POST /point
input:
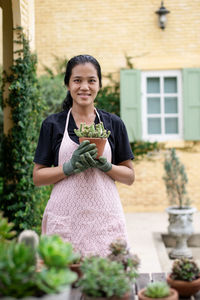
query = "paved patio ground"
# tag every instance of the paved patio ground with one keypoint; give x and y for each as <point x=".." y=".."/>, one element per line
<point x="141" y="229"/>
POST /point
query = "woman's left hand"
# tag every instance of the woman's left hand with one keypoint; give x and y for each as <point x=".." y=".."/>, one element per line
<point x="101" y="163"/>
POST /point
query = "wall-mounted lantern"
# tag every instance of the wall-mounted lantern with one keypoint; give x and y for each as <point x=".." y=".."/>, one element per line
<point x="162" y="12"/>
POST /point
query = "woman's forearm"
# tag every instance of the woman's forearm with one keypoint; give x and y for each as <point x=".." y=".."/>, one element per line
<point x="45" y="176"/>
<point x="122" y="173"/>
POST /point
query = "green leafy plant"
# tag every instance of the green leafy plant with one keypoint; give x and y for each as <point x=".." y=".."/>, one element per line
<point x="175" y="180"/>
<point x="92" y="131"/>
<point x="140" y="148"/>
<point x="105" y="278"/>
<point x="6" y="229"/>
<point x="19" y="276"/>
<point x="19" y="198"/>
<point x="185" y="269"/>
<point x="120" y="253"/>
<point x="157" y="289"/>
<point x="56" y="253"/>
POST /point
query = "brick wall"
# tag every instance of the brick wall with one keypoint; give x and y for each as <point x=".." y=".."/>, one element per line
<point x="108" y="29"/>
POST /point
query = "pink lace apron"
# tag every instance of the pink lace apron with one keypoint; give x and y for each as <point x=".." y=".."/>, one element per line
<point x="85" y="208"/>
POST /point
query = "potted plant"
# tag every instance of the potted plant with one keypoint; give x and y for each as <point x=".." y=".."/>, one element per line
<point x="95" y="133"/>
<point x="119" y="252"/>
<point x="185" y="277"/>
<point x="158" y="290"/>
<point x="19" y="277"/>
<point x="75" y="266"/>
<point x="105" y="279"/>
<point x="180" y="213"/>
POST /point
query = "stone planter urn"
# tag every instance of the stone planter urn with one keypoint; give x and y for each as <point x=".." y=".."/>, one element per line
<point x="181" y="228"/>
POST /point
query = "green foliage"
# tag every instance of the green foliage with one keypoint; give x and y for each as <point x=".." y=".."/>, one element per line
<point x="105" y="278"/>
<point x="108" y="97"/>
<point x="56" y="253"/>
<point x="6" y="232"/>
<point x="185" y="269"/>
<point x="157" y="289"/>
<point x="93" y="131"/>
<point x="19" y="196"/>
<point x="175" y="180"/>
<point x="53" y="92"/>
<point x="19" y="276"/>
<point x="17" y="266"/>
<point x="143" y="147"/>
<point x="120" y="253"/>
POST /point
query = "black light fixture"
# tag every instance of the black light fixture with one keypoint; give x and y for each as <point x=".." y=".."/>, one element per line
<point x="162" y="12"/>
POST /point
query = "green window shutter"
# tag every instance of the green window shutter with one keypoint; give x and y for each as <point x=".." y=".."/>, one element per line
<point x="191" y="103"/>
<point x="130" y="102"/>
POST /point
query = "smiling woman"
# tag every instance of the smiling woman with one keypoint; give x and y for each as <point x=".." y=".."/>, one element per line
<point x="84" y="207"/>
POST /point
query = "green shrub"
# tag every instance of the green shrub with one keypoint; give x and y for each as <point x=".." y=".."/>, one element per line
<point x="19" y="199"/>
<point x="175" y="180"/>
<point x="53" y="93"/>
<point x="140" y="148"/>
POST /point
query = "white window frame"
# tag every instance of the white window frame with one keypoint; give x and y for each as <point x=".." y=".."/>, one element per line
<point x="163" y="136"/>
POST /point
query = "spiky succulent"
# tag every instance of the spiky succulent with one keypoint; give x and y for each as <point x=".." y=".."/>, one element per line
<point x="93" y="131"/>
<point x="157" y="289"/>
<point x="120" y="253"/>
<point x="185" y="269"/>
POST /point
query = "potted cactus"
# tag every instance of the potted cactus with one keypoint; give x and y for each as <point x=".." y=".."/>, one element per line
<point x="158" y="290"/>
<point x="119" y="252"/>
<point x="105" y="279"/>
<point x="95" y="133"/>
<point x="185" y="277"/>
<point x="180" y="212"/>
<point x="19" y="275"/>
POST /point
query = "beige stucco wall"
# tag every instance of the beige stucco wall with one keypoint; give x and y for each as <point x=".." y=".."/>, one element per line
<point x="108" y="29"/>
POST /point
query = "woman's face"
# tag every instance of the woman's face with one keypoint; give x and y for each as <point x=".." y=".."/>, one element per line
<point x="84" y="84"/>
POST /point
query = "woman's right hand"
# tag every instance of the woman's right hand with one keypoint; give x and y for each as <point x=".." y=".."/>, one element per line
<point x="77" y="163"/>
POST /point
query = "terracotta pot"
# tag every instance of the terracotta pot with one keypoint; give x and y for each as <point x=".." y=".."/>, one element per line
<point x="76" y="268"/>
<point x="125" y="297"/>
<point x="184" y="288"/>
<point x="100" y="144"/>
<point x="173" y="295"/>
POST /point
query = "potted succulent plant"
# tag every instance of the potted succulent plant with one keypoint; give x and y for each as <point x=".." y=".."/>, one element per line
<point x="185" y="277"/>
<point x="95" y="133"/>
<point x="119" y="252"/>
<point x="180" y="212"/>
<point x="19" y="277"/>
<point x="105" y="279"/>
<point x="158" y="290"/>
<point x="75" y="266"/>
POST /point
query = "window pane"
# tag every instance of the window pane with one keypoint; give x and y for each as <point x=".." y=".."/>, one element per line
<point x="171" y="106"/>
<point x="170" y="85"/>
<point x="153" y="85"/>
<point x="171" y="125"/>
<point x="153" y="105"/>
<point x="154" y="126"/>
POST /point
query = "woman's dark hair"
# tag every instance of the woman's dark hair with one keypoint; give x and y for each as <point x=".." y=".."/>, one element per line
<point x="74" y="61"/>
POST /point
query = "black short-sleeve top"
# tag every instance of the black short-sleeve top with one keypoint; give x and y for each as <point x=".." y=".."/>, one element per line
<point x="53" y="128"/>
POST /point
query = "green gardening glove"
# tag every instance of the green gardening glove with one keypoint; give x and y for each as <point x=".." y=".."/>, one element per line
<point x="70" y="167"/>
<point x="101" y="163"/>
